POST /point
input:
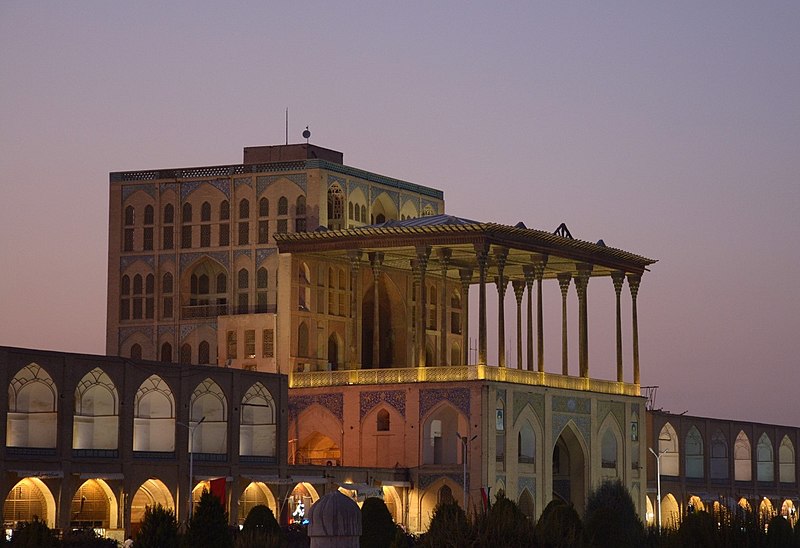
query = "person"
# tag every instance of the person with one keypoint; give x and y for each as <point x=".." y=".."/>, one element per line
<point x="128" y="542"/>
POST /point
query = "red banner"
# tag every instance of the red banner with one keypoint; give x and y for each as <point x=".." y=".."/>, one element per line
<point x="218" y="489"/>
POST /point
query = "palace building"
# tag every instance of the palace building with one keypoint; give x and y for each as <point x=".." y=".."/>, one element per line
<point x="318" y="316"/>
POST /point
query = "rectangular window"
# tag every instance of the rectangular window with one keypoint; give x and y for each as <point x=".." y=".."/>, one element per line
<point x="269" y="343"/>
<point x="137" y="308"/>
<point x="205" y="235"/>
<point x="244" y="233"/>
<point x="231" y="345"/>
<point x="263" y="232"/>
<point x="148" y="308"/>
<point x="282" y="226"/>
<point x="250" y="343"/>
<point x="455" y="323"/>
<point x="125" y="309"/>
<point x="127" y="244"/>
<point x="224" y="234"/>
<point x="186" y="236"/>
<point x="261" y="301"/>
<point x="148" y="238"/>
<point x="168" y="242"/>
<point x="167" y="311"/>
<point x="243" y="303"/>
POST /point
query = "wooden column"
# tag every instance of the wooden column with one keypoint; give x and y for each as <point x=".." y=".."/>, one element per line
<point x="633" y="284"/>
<point x="465" y="274"/>
<point x="482" y="258"/>
<point x="423" y="252"/>
<point x="618" y="278"/>
<point x="519" y="290"/>
<point x="539" y="262"/>
<point x="581" y="286"/>
<point x="376" y="261"/>
<point x="529" y="278"/>
<point x="444" y="255"/>
<point x="354" y="255"/>
<point x="501" y="282"/>
<point x="563" y="282"/>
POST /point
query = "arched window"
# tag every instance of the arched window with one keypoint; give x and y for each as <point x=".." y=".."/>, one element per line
<point x="263" y="207"/>
<point x="694" y="454"/>
<point x="186" y="353"/>
<point x="432" y="306"/>
<point x="786" y="461"/>
<point x="302" y="340"/>
<point x="148" y="214"/>
<point x="350" y="210"/>
<point x="222" y="282"/>
<point x="441" y="444"/>
<point x="363" y="214"/>
<point x="186" y="228"/>
<point x="166" y="283"/>
<point x="742" y="464"/>
<point x="136" y="352"/>
<point x="382" y="423"/>
<point x="445" y="495"/>
<point x="203" y="353"/>
<point x="668" y="445"/>
<point x="154" y="416"/>
<point x="149" y="291"/>
<point x="262" y="279"/>
<point x="283" y="206"/>
<point x="335" y="207"/>
<point x="125" y="301"/>
<point x="257" y="423"/>
<point x="205" y="212"/>
<point x="608" y="450"/>
<point x="380" y="219"/>
<point x="208" y="402"/>
<point x="187" y="213"/>
<point x="719" y="456"/>
<point x="169" y="214"/>
<point x="244" y="209"/>
<point x="32" y="413"/>
<point x="300" y="214"/>
<point x="526" y="444"/>
<point x="166" y="352"/>
<point x="96" y="419"/>
<point x="130" y="215"/>
<point x="243" y="278"/>
<point x="224" y="211"/>
<point x="301" y="206"/>
<point x="765" y="466"/>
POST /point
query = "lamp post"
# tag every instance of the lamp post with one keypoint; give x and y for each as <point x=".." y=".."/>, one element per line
<point x="658" y="481"/>
<point x="464" y="443"/>
<point x="191" y="428"/>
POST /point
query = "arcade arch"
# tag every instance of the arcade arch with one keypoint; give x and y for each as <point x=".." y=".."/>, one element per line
<point x="765" y="463"/>
<point x="32" y="412"/>
<point x="257" y="428"/>
<point x="440" y="435"/>
<point x="96" y="418"/>
<point x="442" y="490"/>
<point x="319" y="449"/>
<point x="154" y="416"/>
<point x="742" y="465"/>
<point x="299" y="502"/>
<point x="786" y="461"/>
<point x="668" y="447"/>
<point x="256" y="493"/>
<point x="28" y="499"/>
<point x="670" y="512"/>
<point x="570" y="467"/>
<point x="150" y="493"/>
<point x="94" y="506"/>
<point x="694" y="454"/>
<point x="209" y="402"/>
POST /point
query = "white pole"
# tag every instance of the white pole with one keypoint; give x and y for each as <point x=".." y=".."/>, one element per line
<point x="191" y="428"/>
<point x="658" y="481"/>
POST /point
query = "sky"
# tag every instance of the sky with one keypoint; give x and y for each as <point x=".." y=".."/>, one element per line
<point x="667" y="129"/>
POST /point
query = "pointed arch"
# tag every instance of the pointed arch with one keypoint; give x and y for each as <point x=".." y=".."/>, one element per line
<point x="719" y="455"/>
<point x="255" y="494"/>
<point x="694" y="453"/>
<point x="786" y="461"/>
<point x="765" y="459"/>
<point x="670" y="512"/>
<point x="742" y="458"/>
<point x="28" y="499"/>
<point x="440" y="435"/>
<point x="96" y="419"/>
<point x="570" y="466"/>
<point x="668" y="445"/>
<point x="94" y="505"/>
<point x="208" y="401"/>
<point x="154" y="416"/>
<point x="611" y="445"/>
<point x="32" y="409"/>
<point x="257" y="428"/>
<point x="149" y="494"/>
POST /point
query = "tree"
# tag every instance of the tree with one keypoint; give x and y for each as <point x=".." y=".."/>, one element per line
<point x="449" y="527"/>
<point x="260" y="528"/>
<point x="33" y="534"/>
<point x="377" y="526"/>
<point x="559" y="526"/>
<point x="159" y="529"/>
<point x="779" y="533"/>
<point x="86" y="538"/>
<point x="611" y="518"/>
<point x="503" y="525"/>
<point x="209" y="524"/>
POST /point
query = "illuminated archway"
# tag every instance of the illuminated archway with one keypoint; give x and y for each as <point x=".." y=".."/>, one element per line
<point x="649" y="517"/>
<point x="765" y="510"/>
<point x="696" y="505"/>
<point x="150" y="493"/>
<point x="320" y="450"/>
<point x="569" y="468"/>
<point x="789" y="511"/>
<point x="256" y="493"/>
<point x="300" y="501"/>
<point x="670" y="512"/>
<point x="28" y="499"/>
<point x="441" y="490"/>
<point x="93" y="506"/>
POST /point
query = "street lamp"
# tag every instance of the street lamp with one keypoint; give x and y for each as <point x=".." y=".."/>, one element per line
<point x="464" y="443"/>
<point x="658" y="481"/>
<point x="191" y="428"/>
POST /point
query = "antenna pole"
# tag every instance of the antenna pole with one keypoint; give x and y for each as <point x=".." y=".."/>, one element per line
<point x="287" y="125"/>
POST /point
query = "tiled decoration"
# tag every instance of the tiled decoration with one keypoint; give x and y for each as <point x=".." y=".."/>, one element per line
<point x="332" y="402"/>
<point x="395" y="398"/>
<point x="429" y="397"/>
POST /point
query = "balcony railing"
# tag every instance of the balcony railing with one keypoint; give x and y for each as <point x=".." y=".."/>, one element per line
<point x="458" y="373"/>
<point x="214" y="310"/>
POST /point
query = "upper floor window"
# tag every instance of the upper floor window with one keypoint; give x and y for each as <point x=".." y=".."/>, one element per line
<point x="263" y="207"/>
<point x="187" y="213"/>
<point x="205" y="212"/>
<point x="224" y="211"/>
<point x="148" y="215"/>
<point x="169" y="214"/>
<point x="283" y="206"/>
<point x="244" y="209"/>
<point x="130" y="215"/>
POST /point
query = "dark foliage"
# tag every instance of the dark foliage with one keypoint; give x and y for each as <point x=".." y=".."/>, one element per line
<point x="34" y="534"/>
<point x="449" y="528"/>
<point x="611" y="518"/>
<point x="503" y="524"/>
<point x="159" y="529"/>
<point x="297" y="536"/>
<point x="260" y="529"/>
<point x="86" y="538"/>
<point x="779" y="533"/>
<point x="208" y="527"/>
<point x="559" y="526"/>
<point x="377" y="526"/>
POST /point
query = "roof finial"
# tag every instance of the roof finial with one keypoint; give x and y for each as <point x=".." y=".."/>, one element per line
<point x="306" y="134"/>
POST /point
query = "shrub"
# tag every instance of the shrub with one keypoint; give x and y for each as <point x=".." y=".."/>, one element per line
<point x="33" y="534"/>
<point x="503" y="524"/>
<point x="779" y="533"/>
<point x="159" y="529"/>
<point x="448" y="528"/>
<point x="611" y="518"/>
<point x="698" y="529"/>
<point x="86" y="538"/>
<point x="209" y="525"/>
<point x="559" y="526"/>
<point x="377" y="526"/>
<point x="260" y="528"/>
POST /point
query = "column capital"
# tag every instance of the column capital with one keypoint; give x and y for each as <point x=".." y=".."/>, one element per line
<point x="502" y="284"/>
<point x="633" y="284"/>
<point x="539" y="261"/>
<point x="618" y="278"/>
<point x="563" y="282"/>
<point x="527" y="271"/>
<point x="376" y="261"/>
<point x="519" y="289"/>
<point x="465" y="274"/>
<point x="582" y="278"/>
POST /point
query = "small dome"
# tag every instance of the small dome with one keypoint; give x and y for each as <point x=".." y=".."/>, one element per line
<point x="334" y="515"/>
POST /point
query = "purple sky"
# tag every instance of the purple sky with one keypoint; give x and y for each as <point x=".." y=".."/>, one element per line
<point x="671" y="130"/>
